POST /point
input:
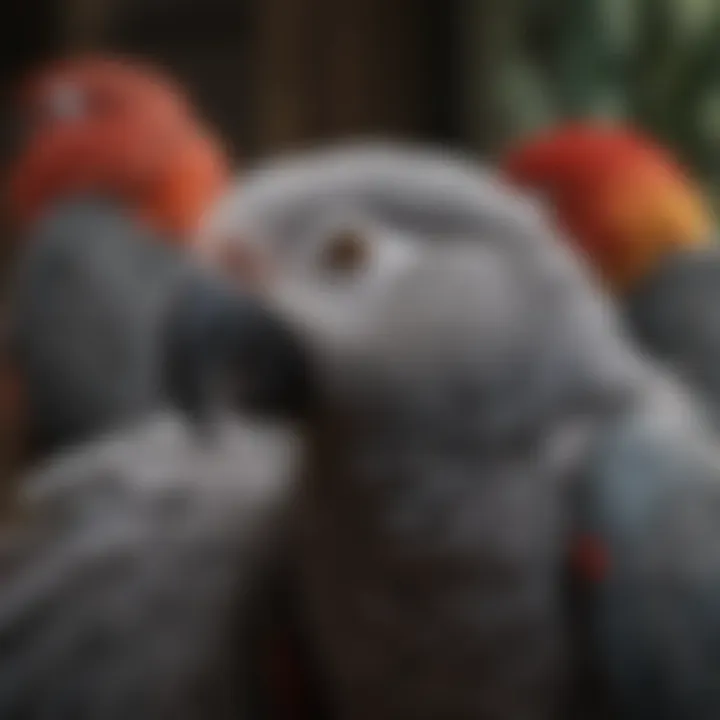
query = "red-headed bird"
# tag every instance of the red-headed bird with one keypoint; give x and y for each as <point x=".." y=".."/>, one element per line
<point x="626" y="200"/>
<point x="107" y="321"/>
<point x="95" y="124"/>
<point x="647" y="228"/>
<point x="116" y="130"/>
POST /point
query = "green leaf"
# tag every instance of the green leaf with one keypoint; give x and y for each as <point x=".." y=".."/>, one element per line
<point x="583" y="61"/>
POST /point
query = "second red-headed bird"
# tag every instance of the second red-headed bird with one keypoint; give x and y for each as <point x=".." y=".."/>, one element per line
<point x="117" y="127"/>
<point x="646" y="227"/>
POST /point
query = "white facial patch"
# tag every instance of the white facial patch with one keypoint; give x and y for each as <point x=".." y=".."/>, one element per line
<point x="342" y="305"/>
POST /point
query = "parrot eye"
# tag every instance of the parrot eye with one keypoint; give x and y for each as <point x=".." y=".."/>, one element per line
<point x="346" y="251"/>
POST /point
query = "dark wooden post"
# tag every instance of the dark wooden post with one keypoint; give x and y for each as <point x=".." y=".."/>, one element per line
<point x="85" y="23"/>
<point x="336" y="68"/>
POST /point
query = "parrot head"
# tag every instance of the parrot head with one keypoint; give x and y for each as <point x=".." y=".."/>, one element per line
<point x="105" y="125"/>
<point x="625" y="201"/>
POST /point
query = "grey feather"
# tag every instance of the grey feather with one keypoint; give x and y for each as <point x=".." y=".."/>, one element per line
<point x="461" y="386"/>
<point x="471" y="391"/>
<point x="90" y="293"/>
<point x="126" y="588"/>
<point x="675" y="314"/>
<point x="90" y="305"/>
<point x="653" y="498"/>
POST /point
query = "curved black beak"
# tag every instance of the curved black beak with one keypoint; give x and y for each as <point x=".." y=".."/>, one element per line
<point x="224" y="347"/>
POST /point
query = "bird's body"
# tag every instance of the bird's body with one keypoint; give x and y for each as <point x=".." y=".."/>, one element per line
<point x="92" y="289"/>
<point x="128" y="579"/>
<point x="469" y="410"/>
<point x="142" y="533"/>
<point x="473" y="391"/>
<point x="125" y="133"/>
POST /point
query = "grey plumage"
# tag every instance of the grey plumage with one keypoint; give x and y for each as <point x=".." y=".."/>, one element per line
<point x="282" y="202"/>
<point x="111" y="322"/>
<point x="433" y="530"/>
<point x="675" y="314"/>
<point x="126" y="587"/>
<point x="652" y="496"/>
<point x="474" y="405"/>
<point x="470" y="390"/>
<point x="91" y="290"/>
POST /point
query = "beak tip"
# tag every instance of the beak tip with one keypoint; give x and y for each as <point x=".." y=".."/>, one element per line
<point x="225" y="348"/>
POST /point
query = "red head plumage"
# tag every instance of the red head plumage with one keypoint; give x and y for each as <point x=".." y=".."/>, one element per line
<point x="622" y="198"/>
<point x="106" y="125"/>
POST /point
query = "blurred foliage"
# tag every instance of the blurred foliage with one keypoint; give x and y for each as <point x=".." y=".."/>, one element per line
<point x="653" y="63"/>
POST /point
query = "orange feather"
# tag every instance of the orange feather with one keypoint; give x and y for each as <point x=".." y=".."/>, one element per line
<point x="624" y="200"/>
<point x="117" y="128"/>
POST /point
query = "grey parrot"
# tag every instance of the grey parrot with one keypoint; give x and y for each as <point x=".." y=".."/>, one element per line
<point x="480" y="420"/>
<point x="139" y="557"/>
<point x="129" y="577"/>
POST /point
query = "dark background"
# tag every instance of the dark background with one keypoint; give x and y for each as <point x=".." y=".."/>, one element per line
<point x="272" y="73"/>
